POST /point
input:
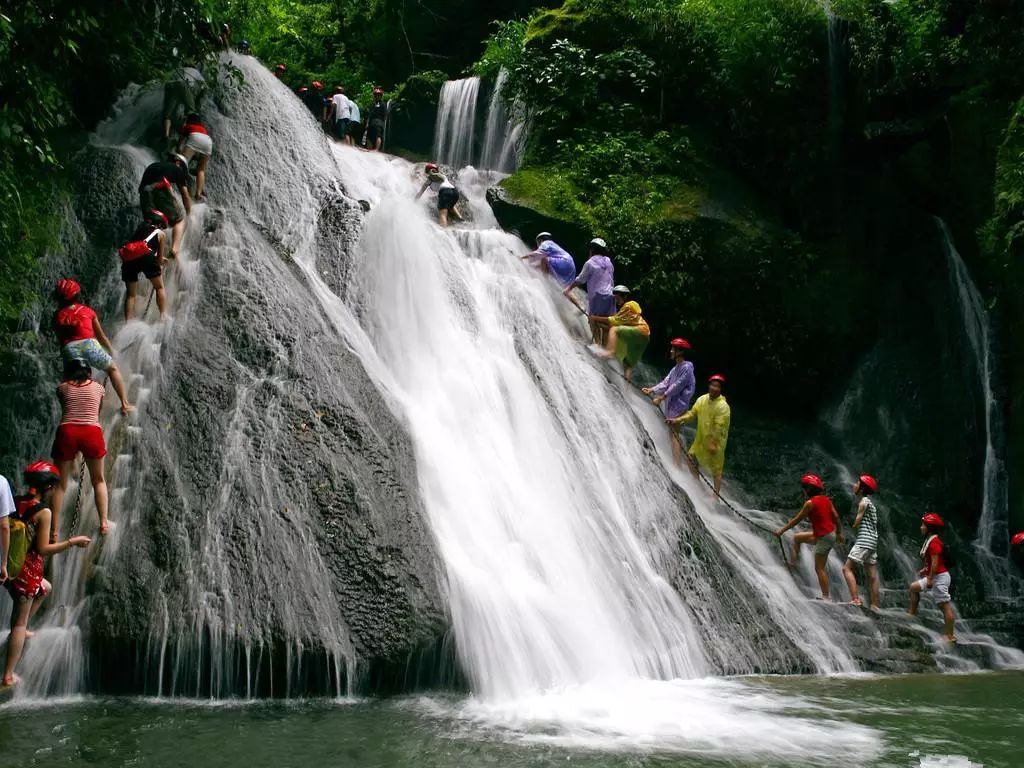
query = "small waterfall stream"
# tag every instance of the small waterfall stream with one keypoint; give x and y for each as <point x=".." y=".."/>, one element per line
<point x="455" y="130"/>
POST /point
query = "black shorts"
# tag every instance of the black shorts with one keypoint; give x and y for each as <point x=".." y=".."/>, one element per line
<point x="373" y="133"/>
<point x="147" y="265"/>
<point x="341" y="128"/>
<point x="447" y="198"/>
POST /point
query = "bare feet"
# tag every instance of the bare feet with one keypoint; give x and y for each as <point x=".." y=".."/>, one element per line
<point x="10" y="680"/>
<point x="857" y="603"/>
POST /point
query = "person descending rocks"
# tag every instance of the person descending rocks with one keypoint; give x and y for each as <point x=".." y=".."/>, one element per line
<point x="339" y="114"/>
<point x="82" y="338"/>
<point x="376" y="121"/>
<point x="196" y="141"/>
<point x="628" y="334"/>
<point x="674" y="393"/>
<point x="80" y="432"/>
<point x="865" y="549"/>
<point x="598" y="276"/>
<point x="826" y="529"/>
<point x="27" y="587"/>
<point x="157" y="193"/>
<point x="935" y="578"/>
<point x="181" y="92"/>
<point x="145" y="252"/>
<point x="553" y="259"/>
<point x="447" y="194"/>
<point x="7" y="509"/>
<point x="713" y="420"/>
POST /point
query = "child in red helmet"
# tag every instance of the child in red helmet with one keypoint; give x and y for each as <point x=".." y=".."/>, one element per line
<point x="865" y="550"/>
<point x="28" y="588"/>
<point x="935" y="579"/>
<point x="826" y="529"/>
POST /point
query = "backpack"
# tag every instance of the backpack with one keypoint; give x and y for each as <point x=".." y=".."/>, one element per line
<point x="136" y="249"/>
<point x="22" y="535"/>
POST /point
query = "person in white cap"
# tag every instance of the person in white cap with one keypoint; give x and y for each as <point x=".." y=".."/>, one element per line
<point x="553" y="259"/>
<point x="598" y="275"/>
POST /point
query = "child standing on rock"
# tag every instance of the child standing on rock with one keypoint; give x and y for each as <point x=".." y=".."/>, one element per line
<point x="865" y="550"/>
<point x="935" y="579"/>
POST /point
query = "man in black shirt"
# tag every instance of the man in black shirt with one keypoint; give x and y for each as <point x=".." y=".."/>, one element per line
<point x="375" y="125"/>
<point x="156" y="193"/>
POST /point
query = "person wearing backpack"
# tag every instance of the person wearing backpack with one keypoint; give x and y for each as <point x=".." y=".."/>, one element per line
<point x="145" y="252"/>
<point x="30" y="543"/>
<point x="80" y="432"/>
<point x="82" y="338"/>
<point x="6" y="510"/>
<point x="935" y="579"/>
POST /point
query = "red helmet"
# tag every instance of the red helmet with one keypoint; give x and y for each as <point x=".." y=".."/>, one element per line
<point x="812" y="481"/>
<point x="157" y="218"/>
<point x="679" y="344"/>
<point x="717" y="377"/>
<point x="280" y="67"/>
<point x="67" y="289"/>
<point x="869" y="482"/>
<point x="40" y="474"/>
<point x="1018" y="539"/>
<point x="302" y="89"/>
<point x="318" y="85"/>
<point x="934" y="520"/>
<point x="431" y="168"/>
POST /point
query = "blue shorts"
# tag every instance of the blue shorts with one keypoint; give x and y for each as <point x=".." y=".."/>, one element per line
<point x="602" y="305"/>
<point x="88" y="351"/>
<point x="564" y="270"/>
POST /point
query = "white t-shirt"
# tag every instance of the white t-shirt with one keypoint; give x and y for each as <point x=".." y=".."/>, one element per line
<point x="342" y="110"/>
<point x="354" y="113"/>
<point x="6" y="498"/>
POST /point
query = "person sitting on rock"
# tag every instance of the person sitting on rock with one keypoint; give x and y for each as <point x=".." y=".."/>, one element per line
<point x="713" y="420"/>
<point x="826" y="529"/>
<point x="28" y="588"/>
<point x="865" y="549"/>
<point x="628" y="334"/>
<point x="553" y="259"/>
<point x="935" y="578"/>
<point x="82" y="338"/>
<point x="447" y="194"/>
<point x="598" y="276"/>
<point x="675" y="392"/>
<point x="157" y="193"/>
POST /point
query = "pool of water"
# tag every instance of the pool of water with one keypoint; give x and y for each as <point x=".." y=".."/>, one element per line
<point x="919" y="721"/>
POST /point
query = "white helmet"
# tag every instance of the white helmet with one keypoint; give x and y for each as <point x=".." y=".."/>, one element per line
<point x="599" y="243"/>
<point x="621" y="289"/>
<point x="544" y="236"/>
<point x="177" y="158"/>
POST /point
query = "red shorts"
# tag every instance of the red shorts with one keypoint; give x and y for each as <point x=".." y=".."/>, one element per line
<point x="73" y="439"/>
<point x="29" y="582"/>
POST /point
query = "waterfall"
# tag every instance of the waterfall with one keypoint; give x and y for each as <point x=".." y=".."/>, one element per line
<point x="455" y="130"/>
<point x="505" y="131"/>
<point x="992" y="539"/>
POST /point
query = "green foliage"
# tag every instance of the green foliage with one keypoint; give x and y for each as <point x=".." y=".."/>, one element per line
<point x="1003" y="235"/>
<point x="503" y="48"/>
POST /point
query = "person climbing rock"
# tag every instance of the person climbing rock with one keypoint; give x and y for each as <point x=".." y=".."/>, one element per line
<point x="145" y="252"/>
<point x="28" y="588"/>
<point x="935" y="578"/>
<point x="157" y="193"/>
<point x="7" y="509"/>
<point x="628" y="334"/>
<point x="243" y="47"/>
<point x="195" y="140"/>
<point x="339" y="113"/>
<point x="82" y="338"/>
<point x="826" y="529"/>
<point x="181" y="92"/>
<point x="314" y="100"/>
<point x="80" y="432"/>
<point x="674" y="393"/>
<point x="376" y="121"/>
<point x="865" y="549"/>
<point x="225" y="36"/>
<point x="713" y="420"/>
<point x="553" y="259"/>
<point x="279" y="71"/>
<point x="598" y="277"/>
<point x="447" y="194"/>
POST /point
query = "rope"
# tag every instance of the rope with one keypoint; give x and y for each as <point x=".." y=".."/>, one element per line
<point x="152" y="293"/>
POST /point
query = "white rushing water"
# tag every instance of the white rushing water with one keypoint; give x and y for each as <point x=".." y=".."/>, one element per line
<point x="455" y="129"/>
<point x="505" y="131"/>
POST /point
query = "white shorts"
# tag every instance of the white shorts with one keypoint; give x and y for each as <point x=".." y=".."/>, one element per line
<point x="861" y="554"/>
<point x="200" y="142"/>
<point x="940" y="588"/>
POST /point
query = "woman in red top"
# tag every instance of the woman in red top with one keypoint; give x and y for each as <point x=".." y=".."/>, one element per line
<point x="29" y="588"/>
<point x="82" y="337"/>
<point x="826" y="530"/>
<point x="935" y="579"/>
<point x="80" y="432"/>
<point x="195" y="140"/>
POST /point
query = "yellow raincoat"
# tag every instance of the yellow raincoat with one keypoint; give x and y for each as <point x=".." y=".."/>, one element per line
<point x="713" y="417"/>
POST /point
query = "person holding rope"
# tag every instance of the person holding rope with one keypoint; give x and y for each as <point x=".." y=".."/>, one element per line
<point x="674" y="393"/>
<point x="826" y="529"/>
<point x="713" y="417"/>
<point x="598" y="275"/>
<point x="628" y="332"/>
<point x="80" y="432"/>
<point x="145" y="252"/>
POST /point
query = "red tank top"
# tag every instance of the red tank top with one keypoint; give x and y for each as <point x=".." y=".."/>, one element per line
<point x="188" y="128"/>
<point x="821" y="516"/>
<point x="74" y="323"/>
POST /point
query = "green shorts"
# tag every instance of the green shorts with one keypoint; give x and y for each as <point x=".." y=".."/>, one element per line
<point x="630" y="343"/>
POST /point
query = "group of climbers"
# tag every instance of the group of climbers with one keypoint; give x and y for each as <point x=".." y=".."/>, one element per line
<point x="340" y="115"/>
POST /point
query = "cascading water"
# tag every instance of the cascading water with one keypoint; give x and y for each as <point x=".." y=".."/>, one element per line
<point x="505" y="131"/>
<point x="992" y="539"/>
<point x="455" y="130"/>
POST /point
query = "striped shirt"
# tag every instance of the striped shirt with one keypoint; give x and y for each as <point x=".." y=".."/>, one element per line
<point x="81" y="402"/>
<point x="867" y="532"/>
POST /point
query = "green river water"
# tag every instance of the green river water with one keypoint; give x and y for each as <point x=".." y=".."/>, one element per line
<point x="920" y="721"/>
